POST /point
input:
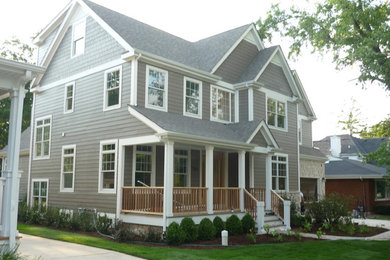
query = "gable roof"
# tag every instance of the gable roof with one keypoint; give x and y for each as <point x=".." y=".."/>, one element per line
<point x="310" y="152"/>
<point x="305" y="99"/>
<point x="353" y="169"/>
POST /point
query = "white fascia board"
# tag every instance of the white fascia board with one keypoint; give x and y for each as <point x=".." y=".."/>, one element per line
<point x="258" y="39"/>
<point x="146" y="120"/>
<point x="306" y="100"/>
<point x="263" y="128"/>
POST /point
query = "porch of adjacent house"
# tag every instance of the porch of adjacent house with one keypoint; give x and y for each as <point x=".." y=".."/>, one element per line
<point x="162" y="182"/>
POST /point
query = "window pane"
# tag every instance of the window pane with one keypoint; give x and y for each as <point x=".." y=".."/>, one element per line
<point x="38" y="147"/>
<point x="281" y="121"/>
<point x="40" y="122"/>
<point x="108" y="180"/>
<point x="274" y="169"/>
<point x="39" y="134"/>
<point x="68" y="164"/>
<point x="113" y="97"/>
<point x="282" y="169"/>
<point x="46" y="148"/>
<point x="79" y="30"/>
<point x="156" y="79"/>
<point x="69" y="91"/>
<point x="113" y="79"/>
<point x="68" y="180"/>
<point x="108" y="147"/>
<point x="143" y="177"/>
<point x="47" y="121"/>
<point x="281" y="109"/>
<point x="271" y="105"/>
<point x="282" y="183"/>
<point x="78" y="47"/>
<point x="69" y="104"/>
<point x="271" y="118"/>
<point x="144" y="148"/>
<point x="214" y="102"/>
<point x="192" y="106"/>
<point x="43" y="202"/>
<point x="274" y="180"/>
<point x="180" y="180"/>
<point x="43" y="188"/>
<point x="36" y="189"/>
<point x="380" y="189"/>
<point x="46" y="133"/>
<point x="223" y="105"/>
<point x="156" y="97"/>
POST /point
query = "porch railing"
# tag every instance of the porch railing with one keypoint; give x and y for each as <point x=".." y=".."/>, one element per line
<point x="258" y="193"/>
<point x="147" y="200"/>
<point x="250" y="204"/>
<point x="226" y="199"/>
<point x="2" y="184"/>
<point x="189" y="199"/>
<point x="277" y="204"/>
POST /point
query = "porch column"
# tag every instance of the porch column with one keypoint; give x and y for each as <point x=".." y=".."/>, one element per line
<point x="12" y="174"/>
<point x="210" y="178"/>
<point x="268" y="182"/>
<point x="168" y="180"/>
<point x="241" y="178"/>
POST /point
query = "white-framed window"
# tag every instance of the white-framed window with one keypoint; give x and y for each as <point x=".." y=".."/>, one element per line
<point x="279" y="172"/>
<point x="40" y="190"/>
<point x="181" y="168"/>
<point x="69" y="98"/>
<point x="68" y="166"/>
<point x="382" y="190"/>
<point x="143" y="165"/>
<point x="221" y="104"/>
<point x="192" y="97"/>
<point x="108" y="166"/>
<point x="112" y="88"/>
<point x="78" y="38"/>
<point x="156" y="93"/>
<point x="42" y="138"/>
<point x="276" y="113"/>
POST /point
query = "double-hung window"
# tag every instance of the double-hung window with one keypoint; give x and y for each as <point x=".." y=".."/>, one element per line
<point x="112" y="88"/>
<point x="382" y="190"/>
<point x="221" y="101"/>
<point x="192" y="97"/>
<point x="68" y="164"/>
<point x="156" y="88"/>
<point x="78" y="38"/>
<point x="181" y="174"/>
<point x="42" y="138"/>
<point x="279" y="172"/>
<point x="69" y="98"/>
<point x="143" y="165"/>
<point x="39" y="191"/>
<point x="108" y="151"/>
<point x="276" y="113"/>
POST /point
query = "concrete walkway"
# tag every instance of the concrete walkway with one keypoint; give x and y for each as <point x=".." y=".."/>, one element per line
<point x="34" y="248"/>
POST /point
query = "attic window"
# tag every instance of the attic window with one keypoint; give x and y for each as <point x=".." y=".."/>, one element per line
<point x="78" y="38"/>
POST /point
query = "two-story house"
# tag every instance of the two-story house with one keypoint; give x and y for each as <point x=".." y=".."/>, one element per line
<point x="148" y="127"/>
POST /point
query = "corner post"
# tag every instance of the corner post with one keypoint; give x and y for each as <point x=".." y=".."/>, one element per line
<point x="241" y="178"/>
<point x="210" y="178"/>
<point x="268" y="182"/>
<point x="286" y="205"/>
<point x="260" y="217"/>
<point x="168" y="181"/>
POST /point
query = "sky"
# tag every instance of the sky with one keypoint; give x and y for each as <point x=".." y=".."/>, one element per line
<point x="329" y="90"/>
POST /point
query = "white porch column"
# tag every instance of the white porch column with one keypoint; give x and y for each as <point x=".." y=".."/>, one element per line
<point x="168" y="180"/>
<point x="12" y="174"/>
<point x="241" y="178"/>
<point x="286" y="209"/>
<point x="260" y="217"/>
<point x="268" y="182"/>
<point x="210" y="178"/>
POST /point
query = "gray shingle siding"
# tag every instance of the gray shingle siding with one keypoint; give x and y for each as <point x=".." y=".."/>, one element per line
<point x="259" y="164"/>
<point x="273" y="78"/>
<point x="302" y="109"/>
<point x="243" y="104"/>
<point x="43" y="48"/>
<point x="307" y="133"/>
<point x="23" y="166"/>
<point x="259" y="105"/>
<point x="100" y="48"/>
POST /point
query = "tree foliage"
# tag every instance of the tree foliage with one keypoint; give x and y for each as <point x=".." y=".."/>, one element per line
<point x="15" y="50"/>
<point x="351" y="120"/>
<point x="356" y="32"/>
<point x="381" y="156"/>
<point x="381" y="129"/>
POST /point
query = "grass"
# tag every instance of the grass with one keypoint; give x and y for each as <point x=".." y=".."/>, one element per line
<point x="341" y="249"/>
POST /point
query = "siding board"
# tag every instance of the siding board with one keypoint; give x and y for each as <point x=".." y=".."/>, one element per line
<point x="273" y="78"/>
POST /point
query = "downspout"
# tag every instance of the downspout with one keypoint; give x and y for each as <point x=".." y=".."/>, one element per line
<point x="30" y="150"/>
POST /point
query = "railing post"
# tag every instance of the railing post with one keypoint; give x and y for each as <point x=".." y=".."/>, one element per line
<point x="286" y="205"/>
<point x="268" y="182"/>
<point x="209" y="178"/>
<point x="260" y="216"/>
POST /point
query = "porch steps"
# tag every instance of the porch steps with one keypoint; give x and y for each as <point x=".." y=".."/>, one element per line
<point x="273" y="221"/>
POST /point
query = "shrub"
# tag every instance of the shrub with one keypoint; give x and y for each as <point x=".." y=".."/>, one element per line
<point x="75" y="222"/>
<point x="219" y="225"/>
<point x="152" y="235"/>
<point x="233" y="225"/>
<point x="63" y="220"/>
<point x="51" y="216"/>
<point x="382" y="209"/>
<point x="248" y="224"/>
<point x="86" y="221"/>
<point x="175" y="235"/>
<point x="35" y="215"/>
<point x="307" y="226"/>
<point x="206" y="229"/>
<point x="23" y="212"/>
<point x="331" y="209"/>
<point x="103" y="224"/>
<point x="299" y="220"/>
<point x="121" y="232"/>
<point x="363" y="229"/>
<point x="190" y="229"/>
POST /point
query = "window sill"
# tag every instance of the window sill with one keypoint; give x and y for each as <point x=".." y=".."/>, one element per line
<point x="107" y="191"/>
<point x="277" y="128"/>
<point x="41" y="158"/>
<point x="163" y="109"/>
<point x="111" y="108"/>
<point x="67" y="190"/>
<point x="193" y="115"/>
<point x="384" y="199"/>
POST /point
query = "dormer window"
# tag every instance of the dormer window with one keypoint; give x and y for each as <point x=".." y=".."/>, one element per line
<point x="78" y="38"/>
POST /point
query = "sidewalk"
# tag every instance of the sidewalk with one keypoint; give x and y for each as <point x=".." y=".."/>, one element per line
<point x="34" y="248"/>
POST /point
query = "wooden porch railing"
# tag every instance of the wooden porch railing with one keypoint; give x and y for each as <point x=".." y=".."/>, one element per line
<point x="226" y="199"/>
<point x="147" y="200"/>
<point x="250" y="204"/>
<point x="277" y="204"/>
<point x="189" y="199"/>
<point x="2" y="184"/>
<point x="258" y="193"/>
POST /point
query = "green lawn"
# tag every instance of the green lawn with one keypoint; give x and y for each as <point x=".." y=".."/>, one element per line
<point x="307" y="250"/>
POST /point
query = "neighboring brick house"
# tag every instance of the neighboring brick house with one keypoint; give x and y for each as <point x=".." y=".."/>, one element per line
<point x="346" y="174"/>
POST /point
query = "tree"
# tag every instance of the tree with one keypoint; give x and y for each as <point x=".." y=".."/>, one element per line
<point x="19" y="51"/>
<point x="356" y="32"/>
<point x="381" y="129"/>
<point x="352" y="122"/>
<point x="381" y="156"/>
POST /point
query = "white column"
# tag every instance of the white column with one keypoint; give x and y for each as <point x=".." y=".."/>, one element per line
<point x="241" y="177"/>
<point x="121" y="176"/>
<point x="250" y="104"/>
<point x="268" y="182"/>
<point x="286" y="206"/>
<point x="260" y="217"/>
<point x="12" y="174"/>
<point x="210" y="178"/>
<point x="168" y="179"/>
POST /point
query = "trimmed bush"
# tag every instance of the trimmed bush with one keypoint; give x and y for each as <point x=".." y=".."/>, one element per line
<point x="233" y="225"/>
<point x="86" y="221"/>
<point x="219" y="225"/>
<point x="248" y="224"/>
<point x="382" y="209"/>
<point x="103" y="224"/>
<point x="175" y="235"/>
<point x="299" y="220"/>
<point x="206" y="229"/>
<point x="63" y="220"/>
<point x="190" y="229"/>
<point x="51" y="216"/>
<point x="153" y="235"/>
<point x="75" y="222"/>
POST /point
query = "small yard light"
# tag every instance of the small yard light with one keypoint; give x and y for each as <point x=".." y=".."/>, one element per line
<point x="224" y="235"/>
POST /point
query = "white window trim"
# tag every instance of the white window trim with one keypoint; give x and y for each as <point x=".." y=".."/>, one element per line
<point x="100" y="182"/>
<point x="188" y="184"/>
<point x="105" y="96"/>
<point x="35" y="157"/>
<point x="153" y="173"/>
<point x="32" y="189"/>
<point x="83" y="20"/>
<point x="62" y="189"/>
<point x="285" y="129"/>
<point x="199" y="115"/>
<point x="211" y="104"/>
<point x="67" y="111"/>
<point x="287" y="171"/>
<point x="300" y="131"/>
<point x="376" y="192"/>
<point x="165" y="97"/>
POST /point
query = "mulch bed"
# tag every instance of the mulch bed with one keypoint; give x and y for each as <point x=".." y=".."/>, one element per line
<point x="373" y="231"/>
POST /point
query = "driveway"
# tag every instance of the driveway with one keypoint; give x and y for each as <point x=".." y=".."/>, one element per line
<point x="34" y="248"/>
